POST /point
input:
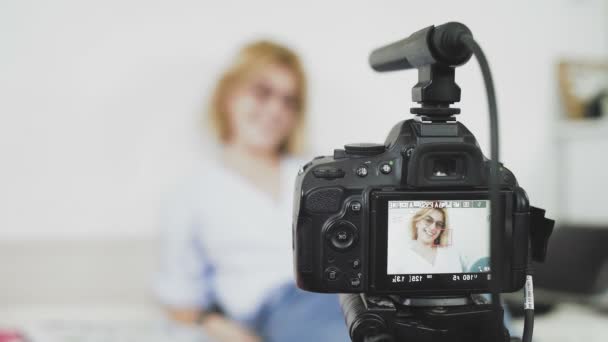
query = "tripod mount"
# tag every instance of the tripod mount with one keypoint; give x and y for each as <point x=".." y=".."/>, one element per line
<point x="417" y="319"/>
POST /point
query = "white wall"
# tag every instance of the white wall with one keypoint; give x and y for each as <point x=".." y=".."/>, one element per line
<point x="100" y="102"/>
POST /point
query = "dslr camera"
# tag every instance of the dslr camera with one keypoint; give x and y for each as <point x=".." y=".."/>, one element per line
<point x="367" y="216"/>
<point x="411" y="216"/>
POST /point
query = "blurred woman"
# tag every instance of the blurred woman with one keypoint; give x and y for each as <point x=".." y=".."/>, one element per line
<point x="227" y="259"/>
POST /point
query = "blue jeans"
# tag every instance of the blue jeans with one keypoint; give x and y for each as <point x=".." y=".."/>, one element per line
<point x="294" y="315"/>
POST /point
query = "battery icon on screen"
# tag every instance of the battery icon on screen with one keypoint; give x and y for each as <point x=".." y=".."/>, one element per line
<point x="479" y="204"/>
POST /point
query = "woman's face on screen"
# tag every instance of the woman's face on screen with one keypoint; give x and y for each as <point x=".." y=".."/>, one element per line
<point x="262" y="109"/>
<point x="430" y="226"/>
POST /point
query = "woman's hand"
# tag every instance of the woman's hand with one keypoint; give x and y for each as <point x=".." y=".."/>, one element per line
<point x="218" y="327"/>
<point x="222" y="329"/>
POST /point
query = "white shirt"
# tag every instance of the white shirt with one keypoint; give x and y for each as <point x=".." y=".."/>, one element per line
<point x="225" y="240"/>
<point x="407" y="261"/>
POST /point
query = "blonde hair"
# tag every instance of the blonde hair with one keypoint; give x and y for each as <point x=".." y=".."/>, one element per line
<point x="250" y="59"/>
<point x="444" y="235"/>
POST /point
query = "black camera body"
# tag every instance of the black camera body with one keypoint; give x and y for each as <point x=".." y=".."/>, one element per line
<point x="341" y="202"/>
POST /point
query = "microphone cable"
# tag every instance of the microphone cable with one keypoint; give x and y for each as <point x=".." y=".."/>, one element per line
<point x="494" y="190"/>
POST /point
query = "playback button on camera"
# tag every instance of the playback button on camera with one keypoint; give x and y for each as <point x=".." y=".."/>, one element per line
<point x="386" y="168"/>
<point x="341" y="235"/>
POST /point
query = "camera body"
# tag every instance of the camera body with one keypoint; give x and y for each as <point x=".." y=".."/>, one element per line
<point x="349" y="209"/>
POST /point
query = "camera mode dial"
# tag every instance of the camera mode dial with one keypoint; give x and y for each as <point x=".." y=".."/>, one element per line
<point x="364" y="149"/>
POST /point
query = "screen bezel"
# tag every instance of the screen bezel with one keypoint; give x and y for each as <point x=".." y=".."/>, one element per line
<point x="439" y="283"/>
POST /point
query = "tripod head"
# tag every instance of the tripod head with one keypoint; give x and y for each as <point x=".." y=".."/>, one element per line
<point x="438" y="319"/>
<point x="435" y="52"/>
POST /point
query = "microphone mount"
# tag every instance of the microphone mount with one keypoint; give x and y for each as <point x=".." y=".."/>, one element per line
<point x="435" y="52"/>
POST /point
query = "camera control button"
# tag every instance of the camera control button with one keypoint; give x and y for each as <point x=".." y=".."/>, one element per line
<point x="386" y="168"/>
<point x="356" y="263"/>
<point x="342" y="235"/>
<point x="361" y="171"/>
<point x="355" y="282"/>
<point x="332" y="273"/>
<point x="355" y="206"/>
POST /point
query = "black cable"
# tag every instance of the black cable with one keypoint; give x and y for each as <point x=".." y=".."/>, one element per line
<point x="528" y="325"/>
<point x="494" y="189"/>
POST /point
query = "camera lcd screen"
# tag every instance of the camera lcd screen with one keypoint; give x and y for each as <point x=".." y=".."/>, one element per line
<point x="438" y="237"/>
<point x="433" y="242"/>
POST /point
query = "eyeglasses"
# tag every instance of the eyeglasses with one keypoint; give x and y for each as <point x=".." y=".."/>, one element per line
<point x="427" y="221"/>
<point x="264" y="92"/>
